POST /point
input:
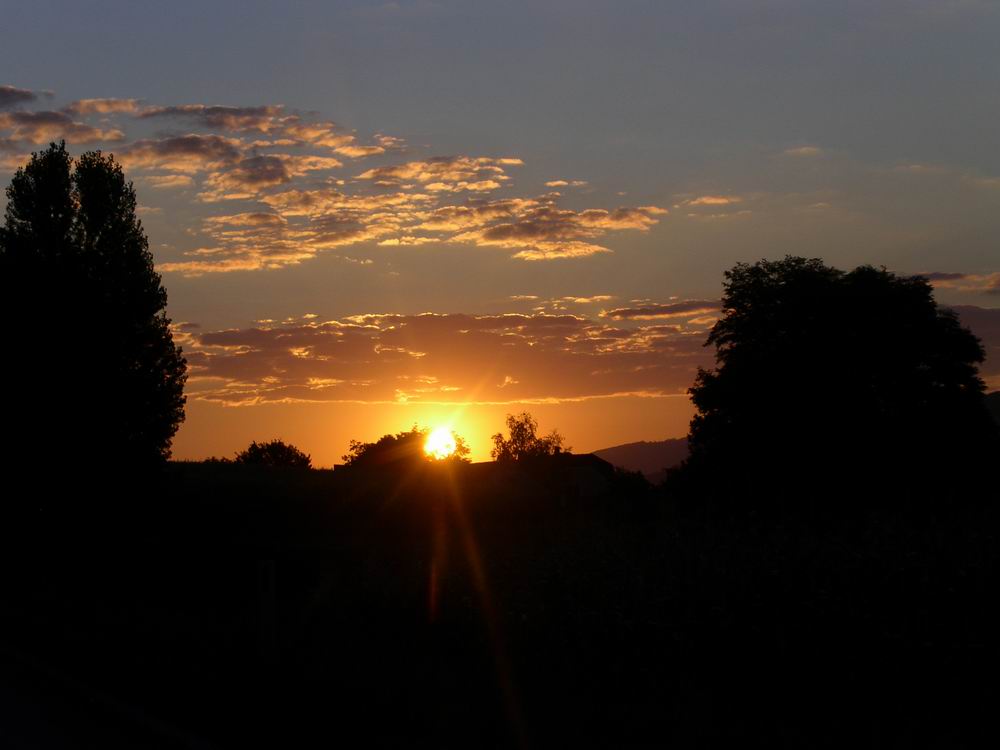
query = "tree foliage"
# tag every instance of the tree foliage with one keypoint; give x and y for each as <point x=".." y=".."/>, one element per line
<point x="96" y="372"/>
<point x="403" y="447"/>
<point x="523" y="441"/>
<point x="826" y="378"/>
<point x="397" y="450"/>
<point x="274" y="453"/>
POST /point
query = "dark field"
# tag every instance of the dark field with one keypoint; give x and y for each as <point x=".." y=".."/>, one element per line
<point x="558" y="604"/>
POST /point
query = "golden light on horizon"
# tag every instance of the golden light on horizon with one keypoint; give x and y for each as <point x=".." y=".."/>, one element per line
<point x="440" y="444"/>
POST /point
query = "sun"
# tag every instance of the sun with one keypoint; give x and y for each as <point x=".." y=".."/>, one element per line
<point x="440" y="444"/>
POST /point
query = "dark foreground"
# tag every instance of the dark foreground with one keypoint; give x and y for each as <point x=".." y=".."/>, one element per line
<point x="558" y="605"/>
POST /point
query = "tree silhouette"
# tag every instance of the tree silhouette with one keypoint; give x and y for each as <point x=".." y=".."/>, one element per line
<point x="94" y="370"/>
<point x="274" y="453"/>
<point x="388" y="450"/>
<point x="523" y="441"/>
<point x="401" y="449"/>
<point x="827" y="381"/>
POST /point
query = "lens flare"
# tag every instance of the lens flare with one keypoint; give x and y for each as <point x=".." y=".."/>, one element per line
<point x="440" y="444"/>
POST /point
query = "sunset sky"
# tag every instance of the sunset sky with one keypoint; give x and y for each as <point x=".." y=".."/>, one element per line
<point x="369" y="215"/>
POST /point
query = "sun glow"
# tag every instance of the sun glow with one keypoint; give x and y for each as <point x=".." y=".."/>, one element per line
<point x="440" y="444"/>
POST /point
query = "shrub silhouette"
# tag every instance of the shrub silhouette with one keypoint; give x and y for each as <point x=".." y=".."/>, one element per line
<point x="523" y="441"/>
<point x="97" y="373"/>
<point x="274" y="453"/>
<point x="829" y="380"/>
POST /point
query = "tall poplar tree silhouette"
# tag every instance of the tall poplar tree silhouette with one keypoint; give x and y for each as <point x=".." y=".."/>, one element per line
<point x="92" y="375"/>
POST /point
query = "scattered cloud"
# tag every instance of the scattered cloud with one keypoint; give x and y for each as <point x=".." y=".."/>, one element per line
<point x="713" y="200"/>
<point x="543" y="231"/>
<point x="445" y="173"/>
<point x="184" y="153"/>
<point x="251" y="175"/>
<point x="985" y="283"/>
<point x="162" y="181"/>
<point x="654" y="310"/>
<point x="11" y="96"/>
<point x="285" y="164"/>
<point x="503" y="358"/>
<point x="103" y="106"/>
<point x="45" y="126"/>
<point x="262" y="119"/>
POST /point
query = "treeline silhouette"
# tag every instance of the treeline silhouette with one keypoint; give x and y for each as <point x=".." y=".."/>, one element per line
<point x="821" y="572"/>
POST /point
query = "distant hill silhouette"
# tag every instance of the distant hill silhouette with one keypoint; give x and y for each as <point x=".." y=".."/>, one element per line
<point x="993" y="404"/>
<point x="650" y="458"/>
<point x="653" y="458"/>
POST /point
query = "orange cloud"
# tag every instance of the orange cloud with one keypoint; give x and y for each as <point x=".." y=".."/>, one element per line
<point x="985" y="283"/>
<point x="451" y="173"/>
<point x="250" y="175"/>
<point x="43" y="127"/>
<point x="103" y="106"/>
<point x="714" y="200"/>
<point x="434" y="358"/>
<point x="653" y="311"/>
<point x="417" y="202"/>
<point x="185" y="153"/>
<point x="168" y="181"/>
<point x="262" y="119"/>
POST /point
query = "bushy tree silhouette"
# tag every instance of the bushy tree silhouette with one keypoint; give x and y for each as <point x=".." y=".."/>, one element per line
<point x="93" y="370"/>
<point x="398" y="450"/>
<point x="401" y="448"/>
<point x="832" y="381"/>
<point x="274" y="453"/>
<point x="524" y="441"/>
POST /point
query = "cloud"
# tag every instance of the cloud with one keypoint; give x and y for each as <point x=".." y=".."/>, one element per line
<point x="986" y="283"/>
<point x="536" y="229"/>
<point x="163" y="181"/>
<point x="653" y="311"/>
<point x="803" y="151"/>
<point x="249" y="176"/>
<point x="262" y="119"/>
<point x="276" y="159"/>
<point x="102" y="106"/>
<point x="44" y="126"/>
<point x="714" y="200"/>
<point x="543" y="231"/>
<point x="328" y="135"/>
<point x="463" y="358"/>
<point x="565" y="183"/>
<point x="445" y="173"/>
<point x="505" y="357"/>
<point x="11" y="96"/>
<point x="184" y="153"/>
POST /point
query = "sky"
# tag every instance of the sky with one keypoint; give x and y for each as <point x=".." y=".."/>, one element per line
<point x="369" y="215"/>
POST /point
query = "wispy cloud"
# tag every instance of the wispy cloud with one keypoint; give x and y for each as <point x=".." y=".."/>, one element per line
<point x="262" y="119"/>
<point x="984" y="283"/>
<point x="103" y="106"/>
<point x="434" y="357"/>
<point x="190" y="153"/>
<point x="11" y="96"/>
<point x="657" y="310"/>
<point x="44" y="126"/>
<point x="446" y="173"/>
<point x="292" y="165"/>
